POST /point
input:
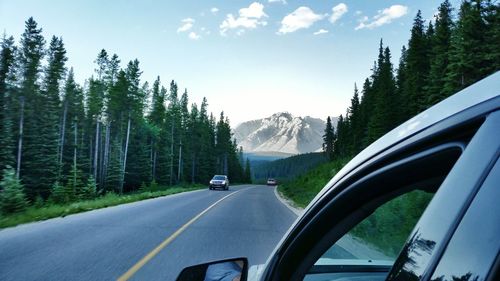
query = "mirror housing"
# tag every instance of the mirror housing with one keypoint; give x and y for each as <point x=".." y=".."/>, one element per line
<point x="235" y="269"/>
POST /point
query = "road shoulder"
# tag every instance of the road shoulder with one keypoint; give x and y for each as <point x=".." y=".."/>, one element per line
<point x="288" y="203"/>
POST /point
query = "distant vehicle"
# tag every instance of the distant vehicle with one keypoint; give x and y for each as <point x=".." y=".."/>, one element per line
<point x="219" y="181"/>
<point x="449" y="153"/>
<point x="272" y="182"/>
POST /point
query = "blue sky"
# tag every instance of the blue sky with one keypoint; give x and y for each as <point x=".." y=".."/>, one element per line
<point x="249" y="58"/>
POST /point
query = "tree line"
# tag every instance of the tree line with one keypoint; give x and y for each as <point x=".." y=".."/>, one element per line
<point x="441" y="58"/>
<point x="287" y="168"/>
<point x="115" y="133"/>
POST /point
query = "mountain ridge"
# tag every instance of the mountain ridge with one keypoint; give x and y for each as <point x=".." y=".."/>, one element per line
<point x="281" y="132"/>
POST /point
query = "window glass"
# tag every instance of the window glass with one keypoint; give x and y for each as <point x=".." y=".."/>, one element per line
<point x="379" y="238"/>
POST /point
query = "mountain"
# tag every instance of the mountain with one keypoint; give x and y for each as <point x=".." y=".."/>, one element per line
<point x="281" y="133"/>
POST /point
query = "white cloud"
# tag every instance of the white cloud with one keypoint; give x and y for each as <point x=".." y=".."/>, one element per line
<point x="214" y="10"/>
<point x="384" y="16"/>
<point x="249" y="18"/>
<point x="255" y="10"/>
<point x="321" y="31"/>
<point x="192" y="35"/>
<point x="187" y="24"/>
<point x="358" y="12"/>
<point x="337" y="12"/>
<point x="303" y="17"/>
<point x="276" y="1"/>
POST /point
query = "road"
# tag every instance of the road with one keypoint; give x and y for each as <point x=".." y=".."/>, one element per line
<point x="105" y="244"/>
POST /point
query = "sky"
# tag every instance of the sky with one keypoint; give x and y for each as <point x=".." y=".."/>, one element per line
<point x="249" y="58"/>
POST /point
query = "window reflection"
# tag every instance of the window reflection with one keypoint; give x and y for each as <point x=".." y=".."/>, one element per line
<point x="466" y="277"/>
<point x="408" y="262"/>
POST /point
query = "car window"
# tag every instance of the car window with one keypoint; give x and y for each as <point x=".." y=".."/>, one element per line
<point x="366" y="244"/>
<point x="375" y="241"/>
<point x="219" y="178"/>
<point x="381" y="235"/>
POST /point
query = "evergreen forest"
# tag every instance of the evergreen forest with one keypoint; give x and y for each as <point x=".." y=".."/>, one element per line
<point x="63" y="141"/>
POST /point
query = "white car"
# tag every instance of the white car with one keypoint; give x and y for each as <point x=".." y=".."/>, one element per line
<point x="272" y="182"/>
<point x="219" y="181"/>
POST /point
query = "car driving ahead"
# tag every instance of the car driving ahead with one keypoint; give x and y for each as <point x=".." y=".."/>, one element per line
<point x="441" y="168"/>
<point x="219" y="181"/>
<point x="272" y="182"/>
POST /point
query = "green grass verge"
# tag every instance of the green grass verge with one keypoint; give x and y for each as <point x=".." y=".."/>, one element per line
<point x="111" y="199"/>
<point x="303" y="189"/>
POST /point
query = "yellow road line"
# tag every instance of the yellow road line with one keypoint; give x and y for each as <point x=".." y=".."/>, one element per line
<point x="167" y="241"/>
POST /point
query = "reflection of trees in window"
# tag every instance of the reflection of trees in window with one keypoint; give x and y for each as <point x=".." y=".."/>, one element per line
<point x="413" y="255"/>
<point x="466" y="277"/>
<point x="390" y="225"/>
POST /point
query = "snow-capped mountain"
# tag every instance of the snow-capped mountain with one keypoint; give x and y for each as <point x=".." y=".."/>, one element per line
<point x="282" y="132"/>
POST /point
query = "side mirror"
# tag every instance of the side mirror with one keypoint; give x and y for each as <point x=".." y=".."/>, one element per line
<point x="226" y="270"/>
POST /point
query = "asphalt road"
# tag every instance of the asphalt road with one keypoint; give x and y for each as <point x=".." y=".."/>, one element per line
<point x="105" y="244"/>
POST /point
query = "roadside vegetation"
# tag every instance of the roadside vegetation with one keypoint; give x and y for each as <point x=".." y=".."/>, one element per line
<point x="442" y="57"/>
<point x="66" y="147"/>
<point x="15" y="209"/>
<point x="303" y="188"/>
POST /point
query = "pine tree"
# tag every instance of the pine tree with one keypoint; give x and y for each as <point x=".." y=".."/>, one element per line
<point x="383" y="115"/>
<point x="12" y="198"/>
<point x="75" y="183"/>
<point x="492" y="35"/>
<point x="355" y="126"/>
<point x="365" y="108"/>
<point x="139" y="168"/>
<point x="328" y="139"/>
<point x="401" y="81"/>
<point x="468" y="55"/>
<point x="96" y="99"/>
<point x="441" y="42"/>
<point x="223" y="145"/>
<point x="48" y="127"/>
<point x="339" y="144"/>
<point x="173" y="122"/>
<point x="194" y="131"/>
<point x="248" y="172"/>
<point x="207" y="144"/>
<point x="62" y="194"/>
<point x="417" y="67"/>
<point x="73" y="114"/>
<point x="32" y="151"/>
<point x="7" y="56"/>
<point x="184" y="165"/>
<point x="156" y="121"/>
<point x="89" y="191"/>
<point x="114" y="174"/>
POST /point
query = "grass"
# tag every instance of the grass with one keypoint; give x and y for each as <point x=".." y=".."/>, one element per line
<point x="302" y="189"/>
<point x="49" y="211"/>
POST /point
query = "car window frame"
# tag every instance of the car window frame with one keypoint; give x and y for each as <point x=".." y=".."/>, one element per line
<point x="389" y="193"/>
<point x="460" y="124"/>
<point x="365" y="209"/>
<point x="462" y="184"/>
<point x="477" y="232"/>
